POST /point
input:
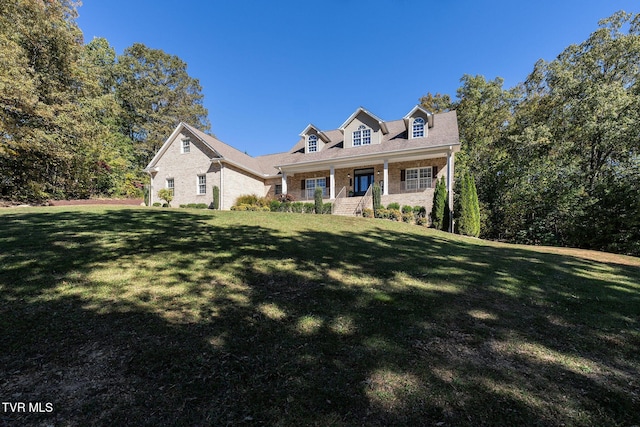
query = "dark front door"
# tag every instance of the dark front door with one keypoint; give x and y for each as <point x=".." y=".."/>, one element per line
<point x="363" y="178"/>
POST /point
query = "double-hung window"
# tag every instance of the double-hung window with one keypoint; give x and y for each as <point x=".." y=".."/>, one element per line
<point x="418" y="178"/>
<point x="362" y="136"/>
<point x="202" y="184"/>
<point x="171" y="186"/>
<point x="418" y="127"/>
<point x="313" y="144"/>
<point x="186" y="145"/>
<point x="312" y="184"/>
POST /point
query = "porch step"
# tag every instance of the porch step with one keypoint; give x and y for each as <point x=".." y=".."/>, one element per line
<point x="347" y="206"/>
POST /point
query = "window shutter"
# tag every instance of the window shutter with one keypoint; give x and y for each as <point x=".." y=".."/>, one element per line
<point x="303" y="184"/>
<point x="327" y="182"/>
<point x="402" y="175"/>
<point x="434" y="171"/>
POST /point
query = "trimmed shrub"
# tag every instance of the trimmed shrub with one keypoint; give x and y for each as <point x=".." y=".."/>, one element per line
<point x="216" y="198"/>
<point x="395" y="215"/>
<point x="438" y="220"/>
<point x="195" y="206"/>
<point x="309" y="207"/>
<point x="422" y="220"/>
<point x="377" y="197"/>
<point x="393" y="205"/>
<point x="274" y="205"/>
<point x="157" y="204"/>
<point x="367" y="213"/>
<point x="406" y="209"/>
<point x="317" y="198"/>
<point x="326" y="208"/>
<point x="247" y="199"/>
<point x="420" y="211"/>
<point x="297" y="207"/>
<point x="408" y="217"/>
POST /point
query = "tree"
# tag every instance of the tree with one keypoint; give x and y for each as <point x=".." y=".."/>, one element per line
<point x="156" y="93"/>
<point x="436" y="103"/>
<point x="439" y="206"/>
<point x="41" y="98"/>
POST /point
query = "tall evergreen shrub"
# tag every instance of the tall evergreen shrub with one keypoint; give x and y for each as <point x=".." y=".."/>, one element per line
<point x="439" y="206"/>
<point x="469" y="213"/>
<point x="377" y="199"/>
<point x="317" y="198"/>
<point x="216" y="197"/>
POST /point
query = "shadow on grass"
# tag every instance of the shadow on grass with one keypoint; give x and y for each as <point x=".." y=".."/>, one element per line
<point x="296" y="325"/>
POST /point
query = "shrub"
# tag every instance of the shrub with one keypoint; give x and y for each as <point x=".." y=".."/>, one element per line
<point x="317" y="198"/>
<point x="216" y="198"/>
<point x="438" y="211"/>
<point x="326" y="208"/>
<point x="469" y="219"/>
<point x="407" y="217"/>
<point x="420" y="211"/>
<point x="274" y="205"/>
<point x="195" y="206"/>
<point x="297" y="207"/>
<point x="166" y="195"/>
<point x="309" y="207"/>
<point x="395" y="215"/>
<point x="422" y="220"/>
<point x="367" y="213"/>
<point x="157" y="204"/>
<point x="393" y="205"/>
<point x="377" y="197"/>
<point x="406" y="209"/>
<point x="381" y="213"/>
<point x="247" y="199"/>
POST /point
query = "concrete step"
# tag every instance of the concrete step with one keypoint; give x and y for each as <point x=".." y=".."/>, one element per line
<point x="347" y="206"/>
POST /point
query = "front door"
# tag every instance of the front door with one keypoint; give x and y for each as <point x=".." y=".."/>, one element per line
<point x="363" y="178"/>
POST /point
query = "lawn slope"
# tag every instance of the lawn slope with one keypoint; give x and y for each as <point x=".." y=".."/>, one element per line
<point x="122" y="316"/>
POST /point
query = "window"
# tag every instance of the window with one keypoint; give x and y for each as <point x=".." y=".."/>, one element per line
<point x="418" y="128"/>
<point x="278" y="189"/>
<point x="186" y="145"/>
<point x="313" y="144"/>
<point x="418" y="178"/>
<point x="202" y="184"/>
<point x="362" y="136"/>
<point x="312" y="184"/>
<point x="171" y="185"/>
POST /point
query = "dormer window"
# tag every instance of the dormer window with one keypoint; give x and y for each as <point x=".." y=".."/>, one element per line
<point x="186" y="145"/>
<point x="312" y="144"/>
<point x="362" y="136"/>
<point x="418" y="127"/>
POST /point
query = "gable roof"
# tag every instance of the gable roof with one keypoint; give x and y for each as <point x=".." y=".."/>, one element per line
<point x="320" y="134"/>
<point x="381" y="122"/>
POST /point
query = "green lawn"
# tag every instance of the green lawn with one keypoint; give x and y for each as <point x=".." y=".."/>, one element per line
<point x="154" y="317"/>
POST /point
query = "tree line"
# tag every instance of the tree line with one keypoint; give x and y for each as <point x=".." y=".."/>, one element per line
<point x="556" y="159"/>
<point x="77" y="120"/>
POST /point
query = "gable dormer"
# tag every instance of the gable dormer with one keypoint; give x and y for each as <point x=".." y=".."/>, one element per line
<point x="363" y="128"/>
<point x="418" y="122"/>
<point x="314" y="139"/>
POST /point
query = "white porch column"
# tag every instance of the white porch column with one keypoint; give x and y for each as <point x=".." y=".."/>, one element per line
<point x="385" y="177"/>
<point x="450" y="186"/>
<point x="284" y="183"/>
<point x="332" y="183"/>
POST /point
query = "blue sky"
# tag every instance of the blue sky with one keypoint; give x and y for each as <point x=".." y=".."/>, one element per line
<point x="269" y="68"/>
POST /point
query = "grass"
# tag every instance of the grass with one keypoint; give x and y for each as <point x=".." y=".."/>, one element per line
<point x="123" y="316"/>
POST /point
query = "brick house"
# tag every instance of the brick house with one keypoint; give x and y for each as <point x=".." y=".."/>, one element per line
<point x="405" y="157"/>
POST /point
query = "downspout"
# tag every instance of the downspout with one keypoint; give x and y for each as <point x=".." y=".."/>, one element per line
<point x="150" y="187"/>
<point x="221" y="185"/>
